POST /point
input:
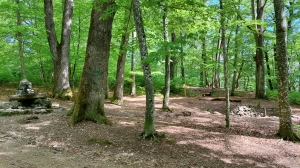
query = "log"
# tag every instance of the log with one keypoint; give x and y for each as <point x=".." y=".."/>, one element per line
<point x="221" y="99"/>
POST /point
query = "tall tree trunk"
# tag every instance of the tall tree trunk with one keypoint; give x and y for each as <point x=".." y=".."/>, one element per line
<point x="269" y="71"/>
<point x="118" y="91"/>
<point x="165" y="104"/>
<point x="239" y="74"/>
<point x="173" y="61"/>
<point x="149" y="128"/>
<point x="73" y="70"/>
<point x="89" y="103"/>
<point x="224" y="51"/>
<point x="60" y="51"/>
<point x="132" y="68"/>
<point x="205" y="80"/>
<point x="233" y="84"/>
<point x="20" y="41"/>
<point x="217" y="67"/>
<point x="285" y="126"/>
<point x="258" y="14"/>
<point x="181" y="62"/>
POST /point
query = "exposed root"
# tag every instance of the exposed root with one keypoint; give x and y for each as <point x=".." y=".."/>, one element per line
<point x="289" y="137"/>
<point x="157" y="137"/>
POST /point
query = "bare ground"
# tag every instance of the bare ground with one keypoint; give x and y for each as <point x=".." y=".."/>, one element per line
<point x="195" y="137"/>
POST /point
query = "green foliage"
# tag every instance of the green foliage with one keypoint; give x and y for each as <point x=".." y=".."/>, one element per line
<point x="272" y="94"/>
<point x="297" y="128"/>
<point x="294" y="98"/>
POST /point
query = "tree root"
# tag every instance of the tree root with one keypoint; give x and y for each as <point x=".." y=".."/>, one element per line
<point x="289" y="137"/>
<point x="156" y="136"/>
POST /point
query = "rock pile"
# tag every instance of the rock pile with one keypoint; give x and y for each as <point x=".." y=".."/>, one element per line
<point x="245" y="111"/>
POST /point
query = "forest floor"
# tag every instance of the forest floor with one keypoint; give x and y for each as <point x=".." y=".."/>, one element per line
<point x="195" y="136"/>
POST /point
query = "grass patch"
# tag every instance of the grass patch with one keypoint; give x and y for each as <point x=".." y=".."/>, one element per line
<point x="100" y="141"/>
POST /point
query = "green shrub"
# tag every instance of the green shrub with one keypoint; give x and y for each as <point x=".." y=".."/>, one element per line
<point x="272" y="94"/>
<point x="294" y="97"/>
<point x="297" y="127"/>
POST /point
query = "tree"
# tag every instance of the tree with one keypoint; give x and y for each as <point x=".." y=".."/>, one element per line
<point x="173" y="59"/>
<point x="149" y="128"/>
<point x="285" y="127"/>
<point x="89" y="103"/>
<point x="224" y="52"/>
<point x="132" y="67"/>
<point x="20" y="41"/>
<point x="118" y="91"/>
<point x="60" y="51"/>
<point x="165" y="104"/>
<point x="258" y="14"/>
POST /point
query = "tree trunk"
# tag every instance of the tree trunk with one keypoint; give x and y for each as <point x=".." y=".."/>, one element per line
<point x="217" y="67"/>
<point x="73" y="70"/>
<point x="239" y="74"/>
<point x="181" y="62"/>
<point x="258" y="14"/>
<point x="233" y="84"/>
<point x="20" y="41"/>
<point x="149" y="128"/>
<point x="60" y="51"/>
<point x="118" y="91"/>
<point x="89" y="103"/>
<point x="203" y="56"/>
<point x="269" y="71"/>
<point x="173" y="61"/>
<point x="165" y="104"/>
<point x="224" y="51"/>
<point x="285" y="126"/>
<point x="132" y="75"/>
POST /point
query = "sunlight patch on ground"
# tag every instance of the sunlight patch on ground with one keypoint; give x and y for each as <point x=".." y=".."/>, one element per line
<point x="36" y="126"/>
<point x="6" y="153"/>
<point x="178" y="130"/>
<point x="124" y="123"/>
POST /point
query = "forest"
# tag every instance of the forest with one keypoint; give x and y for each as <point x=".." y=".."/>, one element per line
<point x="120" y="73"/>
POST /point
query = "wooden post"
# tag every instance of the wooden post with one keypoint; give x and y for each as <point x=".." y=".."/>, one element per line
<point x="184" y="86"/>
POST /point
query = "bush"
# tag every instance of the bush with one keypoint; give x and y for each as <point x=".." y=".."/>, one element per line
<point x="272" y="94"/>
<point x="297" y="127"/>
<point x="294" y="98"/>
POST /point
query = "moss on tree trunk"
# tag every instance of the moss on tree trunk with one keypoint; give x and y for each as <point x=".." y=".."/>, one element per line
<point x="89" y="104"/>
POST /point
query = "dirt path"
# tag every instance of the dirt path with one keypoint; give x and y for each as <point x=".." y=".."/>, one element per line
<point x="195" y="138"/>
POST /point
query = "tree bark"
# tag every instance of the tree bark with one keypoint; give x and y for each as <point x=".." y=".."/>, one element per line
<point x="60" y="51"/>
<point x="285" y="126"/>
<point x="118" y="91"/>
<point x="224" y="52"/>
<point x="89" y="103"/>
<point x="20" y="41"/>
<point x="269" y="71"/>
<point x="132" y="68"/>
<point x="165" y="104"/>
<point x="258" y="14"/>
<point x="239" y="74"/>
<point x="182" y="62"/>
<point x="174" y="60"/>
<point x="217" y="67"/>
<point x="204" y="58"/>
<point x="149" y="128"/>
<point x="233" y="84"/>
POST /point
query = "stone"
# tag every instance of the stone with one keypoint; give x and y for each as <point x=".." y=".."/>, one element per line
<point x="25" y="87"/>
<point x="245" y="111"/>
